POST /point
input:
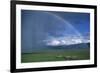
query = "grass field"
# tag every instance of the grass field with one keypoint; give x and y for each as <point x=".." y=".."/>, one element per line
<point x="55" y="56"/>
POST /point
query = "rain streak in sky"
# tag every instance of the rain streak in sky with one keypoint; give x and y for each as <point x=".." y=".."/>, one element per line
<point x="46" y="28"/>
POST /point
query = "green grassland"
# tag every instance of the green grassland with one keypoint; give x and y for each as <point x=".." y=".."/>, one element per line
<point x="55" y="56"/>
